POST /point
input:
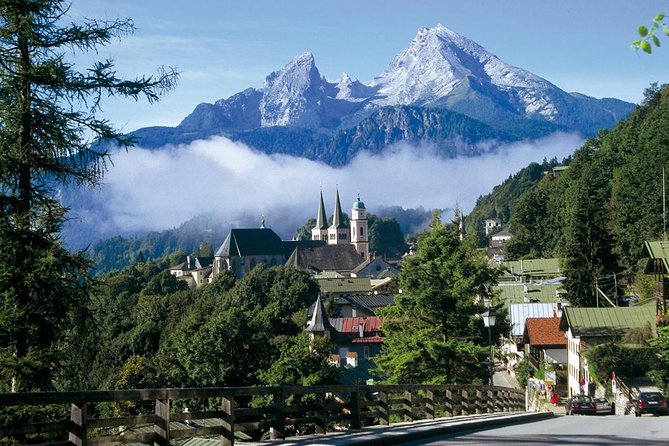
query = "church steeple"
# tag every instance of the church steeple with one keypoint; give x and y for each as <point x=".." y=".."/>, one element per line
<point x="320" y="231"/>
<point x="319" y="323"/>
<point x="359" y="236"/>
<point x="338" y="232"/>
<point x="321" y="217"/>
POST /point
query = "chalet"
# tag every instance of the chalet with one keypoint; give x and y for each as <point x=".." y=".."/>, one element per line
<point x="356" y="338"/>
<point x="657" y="263"/>
<point x="587" y="327"/>
<point x="544" y="341"/>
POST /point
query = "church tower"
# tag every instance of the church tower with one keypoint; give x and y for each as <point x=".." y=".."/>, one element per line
<point x="359" y="235"/>
<point x="320" y="231"/>
<point x="338" y="231"/>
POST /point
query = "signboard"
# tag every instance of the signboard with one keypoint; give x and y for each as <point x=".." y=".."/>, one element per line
<point x="550" y="377"/>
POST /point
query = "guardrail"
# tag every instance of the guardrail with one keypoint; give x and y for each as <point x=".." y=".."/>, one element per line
<point x="160" y="415"/>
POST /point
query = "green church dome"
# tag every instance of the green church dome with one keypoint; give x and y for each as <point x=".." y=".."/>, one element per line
<point x="358" y="204"/>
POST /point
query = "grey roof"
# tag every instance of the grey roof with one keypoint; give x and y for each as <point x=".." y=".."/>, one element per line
<point x="325" y="257"/>
<point x="319" y="319"/>
<point x="518" y="313"/>
<point x="321" y="217"/>
<point x="371" y="301"/>
<point x="248" y="242"/>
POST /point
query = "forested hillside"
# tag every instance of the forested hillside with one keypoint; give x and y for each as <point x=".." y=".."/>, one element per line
<point x="498" y="203"/>
<point x="597" y="214"/>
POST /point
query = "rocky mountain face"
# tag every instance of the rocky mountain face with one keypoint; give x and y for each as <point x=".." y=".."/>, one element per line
<point x="440" y="73"/>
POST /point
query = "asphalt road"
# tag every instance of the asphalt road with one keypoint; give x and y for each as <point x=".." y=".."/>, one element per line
<point x="568" y="430"/>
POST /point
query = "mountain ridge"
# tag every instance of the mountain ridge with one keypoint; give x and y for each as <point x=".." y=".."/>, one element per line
<point x="439" y="70"/>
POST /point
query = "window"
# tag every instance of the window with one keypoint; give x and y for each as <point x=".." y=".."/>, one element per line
<point x="361" y="234"/>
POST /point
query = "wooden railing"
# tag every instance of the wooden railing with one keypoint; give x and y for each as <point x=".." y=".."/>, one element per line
<point x="160" y="415"/>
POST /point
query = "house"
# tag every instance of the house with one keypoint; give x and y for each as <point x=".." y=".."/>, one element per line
<point x="341" y="286"/>
<point x="544" y="341"/>
<point x="497" y="245"/>
<point x="657" y="263"/>
<point x="491" y="225"/>
<point x="531" y="270"/>
<point x="195" y="271"/>
<point x="376" y="268"/>
<point x="356" y="338"/>
<point x="587" y="327"/>
<point x="360" y="305"/>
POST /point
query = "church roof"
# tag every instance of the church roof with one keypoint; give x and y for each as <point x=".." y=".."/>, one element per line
<point x="325" y="257"/>
<point x="358" y="204"/>
<point x="249" y="242"/>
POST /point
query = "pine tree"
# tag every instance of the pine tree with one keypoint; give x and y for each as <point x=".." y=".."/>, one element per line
<point x="432" y="332"/>
<point x="50" y="134"/>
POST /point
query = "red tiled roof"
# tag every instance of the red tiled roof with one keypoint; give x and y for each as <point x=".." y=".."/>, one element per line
<point x="544" y="331"/>
<point x="368" y="340"/>
<point x="350" y="324"/>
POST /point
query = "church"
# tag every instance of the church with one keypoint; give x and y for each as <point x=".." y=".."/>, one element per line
<point x="339" y="247"/>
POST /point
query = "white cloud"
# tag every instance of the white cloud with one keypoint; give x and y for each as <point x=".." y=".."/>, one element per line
<point x="159" y="189"/>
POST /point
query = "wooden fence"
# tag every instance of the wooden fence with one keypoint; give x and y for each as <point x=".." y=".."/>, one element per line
<point x="159" y="416"/>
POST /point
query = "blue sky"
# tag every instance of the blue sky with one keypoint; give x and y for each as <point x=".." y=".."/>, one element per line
<point x="221" y="47"/>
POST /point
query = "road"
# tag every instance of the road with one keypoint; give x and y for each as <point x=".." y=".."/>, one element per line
<point x="564" y="430"/>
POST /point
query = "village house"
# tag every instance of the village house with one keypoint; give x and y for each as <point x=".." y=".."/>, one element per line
<point x="195" y="271"/>
<point x="588" y="327"/>
<point x="357" y="339"/>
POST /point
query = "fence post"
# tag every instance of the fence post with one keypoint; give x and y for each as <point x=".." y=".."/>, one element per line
<point x="478" y="404"/>
<point x="355" y="410"/>
<point x="162" y="426"/>
<point x="384" y="419"/>
<point x="321" y="414"/>
<point x="408" y="406"/>
<point x="78" y="421"/>
<point x="429" y="405"/>
<point x="464" y="394"/>
<point x="278" y="430"/>
<point x="448" y="403"/>
<point x="228" y="421"/>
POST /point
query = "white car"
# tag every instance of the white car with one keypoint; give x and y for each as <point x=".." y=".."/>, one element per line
<point x="604" y="406"/>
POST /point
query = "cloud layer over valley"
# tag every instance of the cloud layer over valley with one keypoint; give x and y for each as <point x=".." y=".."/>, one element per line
<point x="147" y="190"/>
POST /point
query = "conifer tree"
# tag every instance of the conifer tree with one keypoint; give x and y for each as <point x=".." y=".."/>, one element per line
<point x="50" y="134"/>
<point x="432" y="332"/>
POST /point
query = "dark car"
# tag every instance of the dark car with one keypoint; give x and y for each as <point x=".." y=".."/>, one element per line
<point x="581" y="404"/>
<point x="604" y="406"/>
<point x="650" y="402"/>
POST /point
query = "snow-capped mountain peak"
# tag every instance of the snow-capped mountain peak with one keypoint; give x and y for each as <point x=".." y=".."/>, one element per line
<point x="289" y="95"/>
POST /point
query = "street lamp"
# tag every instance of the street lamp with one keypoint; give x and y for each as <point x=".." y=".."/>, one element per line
<point x="489" y="321"/>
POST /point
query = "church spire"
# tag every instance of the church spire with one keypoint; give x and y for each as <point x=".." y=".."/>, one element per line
<point x="321" y="217"/>
<point x="319" y="323"/>
<point x="338" y="217"/>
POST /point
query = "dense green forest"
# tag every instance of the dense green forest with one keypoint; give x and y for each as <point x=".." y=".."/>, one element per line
<point x="597" y="214"/>
<point x="144" y="328"/>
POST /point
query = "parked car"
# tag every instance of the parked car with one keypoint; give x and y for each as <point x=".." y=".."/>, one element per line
<point x="651" y="402"/>
<point x="580" y="404"/>
<point x="604" y="406"/>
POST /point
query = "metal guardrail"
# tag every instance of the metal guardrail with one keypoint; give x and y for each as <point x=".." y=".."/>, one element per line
<point x="157" y="415"/>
